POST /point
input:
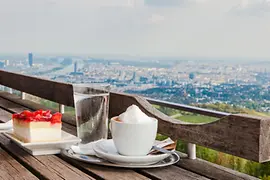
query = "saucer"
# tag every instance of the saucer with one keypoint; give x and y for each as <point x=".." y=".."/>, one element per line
<point x="106" y="149"/>
<point x="172" y="159"/>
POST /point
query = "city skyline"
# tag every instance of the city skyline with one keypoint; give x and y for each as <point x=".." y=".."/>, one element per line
<point x="244" y="84"/>
<point x="177" y="28"/>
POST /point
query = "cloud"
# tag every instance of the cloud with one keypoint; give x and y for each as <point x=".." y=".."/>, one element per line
<point x="173" y="3"/>
<point x="151" y="27"/>
<point x="156" y="18"/>
<point x="165" y="3"/>
<point x="251" y="8"/>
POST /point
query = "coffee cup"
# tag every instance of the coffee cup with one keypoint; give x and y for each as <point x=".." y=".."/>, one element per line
<point x="133" y="139"/>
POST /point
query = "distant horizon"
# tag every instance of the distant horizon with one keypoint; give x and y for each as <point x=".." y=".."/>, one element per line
<point x="135" y="57"/>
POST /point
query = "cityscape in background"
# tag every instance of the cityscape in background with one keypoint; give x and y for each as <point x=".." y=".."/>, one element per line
<point x="241" y="83"/>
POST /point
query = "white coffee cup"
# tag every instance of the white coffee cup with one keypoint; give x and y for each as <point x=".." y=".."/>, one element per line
<point x="133" y="139"/>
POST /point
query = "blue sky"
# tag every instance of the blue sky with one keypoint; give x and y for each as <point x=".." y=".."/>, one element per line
<point x="193" y="28"/>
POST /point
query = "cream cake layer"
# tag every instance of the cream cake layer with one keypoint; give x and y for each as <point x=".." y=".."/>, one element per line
<point x="37" y="134"/>
<point x="34" y="131"/>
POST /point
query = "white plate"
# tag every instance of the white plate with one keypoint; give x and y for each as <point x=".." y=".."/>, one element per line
<point x="105" y="149"/>
<point x="6" y="126"/>
<point x="43" y="148"/>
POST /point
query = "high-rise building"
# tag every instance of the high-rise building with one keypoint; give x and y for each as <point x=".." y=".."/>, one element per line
<point x="134" y="76"/>
<point x="6" y="62"/>
<point x="2" y="65"/>
<point x="75" y="67"/>
<point x="30" y="59"/>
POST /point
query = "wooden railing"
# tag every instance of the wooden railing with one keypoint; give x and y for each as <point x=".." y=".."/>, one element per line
<point x="187" y="108"/>
<point x="240" y="135"/>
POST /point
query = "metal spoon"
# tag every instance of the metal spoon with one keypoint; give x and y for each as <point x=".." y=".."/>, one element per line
<point x="162" y="150"/>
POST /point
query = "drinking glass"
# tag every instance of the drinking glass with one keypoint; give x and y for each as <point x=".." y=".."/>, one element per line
<point x="91" y="108"/>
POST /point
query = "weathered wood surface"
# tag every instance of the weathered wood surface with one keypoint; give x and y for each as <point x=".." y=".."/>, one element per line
<point x="51" y="90"/>
<point x="211" y="170"/>
<point x="106" y="172"/>
<point x="171" y="173"/>
<point x="44" y="167"/>
<point x="240" y="135"/>
<point x="58" y="165"/>
<point x="12" y="169"/>
<point x="203" y="168"/>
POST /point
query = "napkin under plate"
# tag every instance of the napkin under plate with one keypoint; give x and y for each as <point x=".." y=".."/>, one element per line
<point x="85" y="149"/>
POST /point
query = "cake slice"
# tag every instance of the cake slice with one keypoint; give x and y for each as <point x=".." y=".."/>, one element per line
<point x="38" y="126"/>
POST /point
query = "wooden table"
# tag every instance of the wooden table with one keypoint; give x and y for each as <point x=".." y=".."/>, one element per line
<point x="16" y="163"/>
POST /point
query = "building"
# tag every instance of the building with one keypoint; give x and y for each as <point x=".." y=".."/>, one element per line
<point x="2" y="65"/>
<point x="75" y="67"/>
<point x="6" y="62"/>
<point x="75" y="72"/>
<point x="30" y="59"/>
<point x="134" y="76"/>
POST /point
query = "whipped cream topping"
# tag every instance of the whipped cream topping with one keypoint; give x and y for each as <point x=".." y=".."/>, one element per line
<point x="133" y="114"/>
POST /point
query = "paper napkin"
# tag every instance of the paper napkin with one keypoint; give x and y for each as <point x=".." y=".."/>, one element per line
<point x="85" y="149"/>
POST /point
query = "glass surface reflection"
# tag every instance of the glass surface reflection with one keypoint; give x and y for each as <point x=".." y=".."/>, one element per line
<point x="91" y="107"/>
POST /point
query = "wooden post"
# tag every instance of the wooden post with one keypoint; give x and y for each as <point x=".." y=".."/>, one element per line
<point x="10" y="90"/>
<point x="191" y="151"/>
<point x="23" y="95"/>
<point x="62" y="108"/>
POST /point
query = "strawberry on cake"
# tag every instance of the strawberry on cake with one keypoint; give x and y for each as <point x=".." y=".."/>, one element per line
<point x="38" y="126"/>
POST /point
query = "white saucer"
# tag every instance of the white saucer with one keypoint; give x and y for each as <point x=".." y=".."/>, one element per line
<point x="105" y="149"/>
<point x="172" y="159"/>
<point x="44" y="148"/>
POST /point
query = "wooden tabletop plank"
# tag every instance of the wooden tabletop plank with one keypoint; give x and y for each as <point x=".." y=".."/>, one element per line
<point x="11" y="169"/>
<point x="211" y="170"/>
<point x="64" y="169"/>
<point x="107" y="172"/>
<point x="171" y="173"/>
<point x="48" y="167"/>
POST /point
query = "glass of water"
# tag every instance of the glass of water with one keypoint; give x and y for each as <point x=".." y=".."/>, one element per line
<point x="92" y="108"/>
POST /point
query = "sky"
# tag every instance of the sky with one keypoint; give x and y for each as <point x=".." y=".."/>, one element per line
<point x="186" y="28"/>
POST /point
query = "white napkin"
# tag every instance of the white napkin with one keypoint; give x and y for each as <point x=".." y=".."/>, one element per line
<point x="164" y="143"/>
<point x="85" y="149"/>
<point x="7" y="125"/>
